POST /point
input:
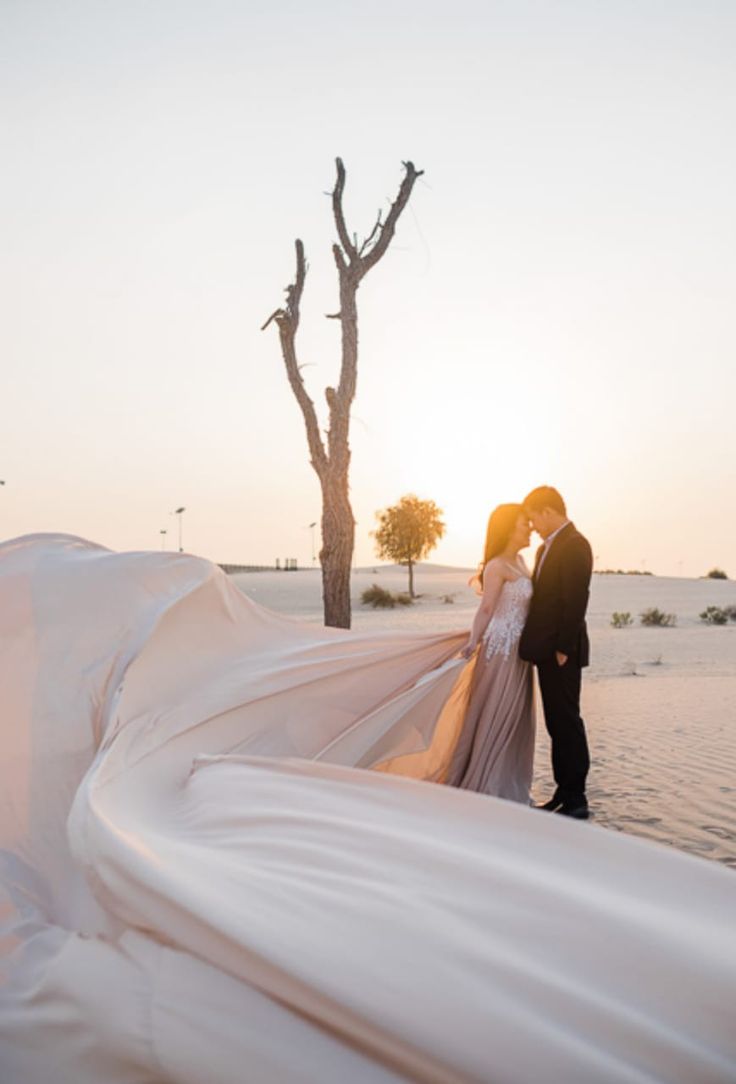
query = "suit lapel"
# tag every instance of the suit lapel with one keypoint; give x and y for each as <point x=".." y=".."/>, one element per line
<point x="537" y="559"/>
<point x="553" y="545"/>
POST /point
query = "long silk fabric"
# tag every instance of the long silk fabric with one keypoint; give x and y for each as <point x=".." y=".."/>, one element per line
<point x="199" y="884"/>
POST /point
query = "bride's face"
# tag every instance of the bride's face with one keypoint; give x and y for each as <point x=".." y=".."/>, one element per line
<point x="521" y="533"/>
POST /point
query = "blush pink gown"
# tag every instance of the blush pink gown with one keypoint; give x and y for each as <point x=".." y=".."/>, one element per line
<point x="496" y="748"/>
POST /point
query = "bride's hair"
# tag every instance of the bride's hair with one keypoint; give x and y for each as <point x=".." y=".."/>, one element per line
<point x="501" y="523"/>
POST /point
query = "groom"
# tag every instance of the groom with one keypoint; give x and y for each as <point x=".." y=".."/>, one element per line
<point x="556" y="639"/>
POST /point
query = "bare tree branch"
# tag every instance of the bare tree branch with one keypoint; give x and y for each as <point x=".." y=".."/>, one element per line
<point x="389" y="226"/>
<point x="288" y="322"/>
<point x="337" y="210"/>
<point x="339" y="257"/>
<point x="274" y="316"/>
<point x="350" y="278"/>
<point x="371" y="235"/>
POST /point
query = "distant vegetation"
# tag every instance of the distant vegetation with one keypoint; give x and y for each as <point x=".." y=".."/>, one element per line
<point x="621" y="572"/>
<point x="407" y="532"/>
<point x="379" y="598"/>
<point x="716" y="574"/>
<point x="655" y="618"/>
<point x="714" y="615"/>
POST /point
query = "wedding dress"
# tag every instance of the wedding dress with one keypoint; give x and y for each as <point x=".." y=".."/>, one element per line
<point x="495" y="753"/>
<point x="198" y="885"/>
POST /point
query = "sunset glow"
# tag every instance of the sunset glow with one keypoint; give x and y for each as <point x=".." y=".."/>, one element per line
<point x="555" y="308"/>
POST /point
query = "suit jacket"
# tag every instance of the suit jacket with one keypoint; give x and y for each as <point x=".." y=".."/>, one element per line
<point x="556" y="620"/>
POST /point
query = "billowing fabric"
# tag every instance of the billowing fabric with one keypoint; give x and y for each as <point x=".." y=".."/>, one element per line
<point x="198" y="885"/>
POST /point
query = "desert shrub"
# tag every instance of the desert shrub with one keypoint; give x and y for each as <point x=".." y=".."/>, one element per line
<point x="655" y="617"/>
<point x="623" y="572"/>
<point x="714" y="615"/>
<point x="447" y="599"/>
<point x="716" y="574"/>
<point x="730" y="611"/>
<point x="380" y="598"/>
<point x="621" y="621"/>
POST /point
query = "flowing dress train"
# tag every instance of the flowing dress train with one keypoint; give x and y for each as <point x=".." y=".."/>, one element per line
<point x="199" y="883"/>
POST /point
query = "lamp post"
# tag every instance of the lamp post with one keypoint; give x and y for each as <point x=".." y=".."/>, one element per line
<point x="163" y="539"/>
<point x="311" y="528"/>
<point x="179" y="512"/>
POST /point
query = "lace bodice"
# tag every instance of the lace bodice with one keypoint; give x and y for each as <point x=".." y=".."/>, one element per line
<point x="505" y="627"/>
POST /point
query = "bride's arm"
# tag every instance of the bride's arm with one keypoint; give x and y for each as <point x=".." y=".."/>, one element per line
<point x="493" y="581"/>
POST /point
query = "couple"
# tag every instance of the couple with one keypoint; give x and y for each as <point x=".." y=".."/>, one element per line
<point x="524" y="620"/>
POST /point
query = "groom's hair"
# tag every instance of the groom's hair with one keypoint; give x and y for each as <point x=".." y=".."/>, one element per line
<point x="545" y="497"/>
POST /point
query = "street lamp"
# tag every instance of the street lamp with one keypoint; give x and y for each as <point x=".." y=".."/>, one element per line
<point x="311" y="528"/>
<point x="163" y="539"/>
<point x="179" y="512"/>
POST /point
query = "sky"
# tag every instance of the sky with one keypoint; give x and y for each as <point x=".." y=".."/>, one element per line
<point x="557" y="306"/>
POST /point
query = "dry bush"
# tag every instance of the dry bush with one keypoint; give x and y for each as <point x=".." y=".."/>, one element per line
<point x="654" y="618"/>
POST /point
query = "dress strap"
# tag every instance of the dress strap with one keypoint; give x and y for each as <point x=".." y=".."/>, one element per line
<point x="519" y="572"/>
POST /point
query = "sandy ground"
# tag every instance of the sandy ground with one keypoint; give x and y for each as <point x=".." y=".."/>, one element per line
<point x="659" y="704"/>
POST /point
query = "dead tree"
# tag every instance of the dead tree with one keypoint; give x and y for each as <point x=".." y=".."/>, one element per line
<point x="353" y="261"/>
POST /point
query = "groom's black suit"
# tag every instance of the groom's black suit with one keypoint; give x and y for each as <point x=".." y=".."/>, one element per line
<point x="556" y="622"/>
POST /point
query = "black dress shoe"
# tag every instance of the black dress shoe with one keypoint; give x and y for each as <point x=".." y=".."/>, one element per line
<point x="552" y="806"/>
<point x="577" y="810"/>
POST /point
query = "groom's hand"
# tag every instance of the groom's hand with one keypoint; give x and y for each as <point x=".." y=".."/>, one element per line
<point x="561" y="659"/>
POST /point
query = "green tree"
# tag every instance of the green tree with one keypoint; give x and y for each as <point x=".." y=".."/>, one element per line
<point x="407" y="532"/>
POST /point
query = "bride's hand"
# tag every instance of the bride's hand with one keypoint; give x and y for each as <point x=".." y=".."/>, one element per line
<point x="468" y="650"/>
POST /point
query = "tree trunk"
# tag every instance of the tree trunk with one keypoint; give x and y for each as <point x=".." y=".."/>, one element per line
<point x="336" y="555"/>
<point x="411" y="580"/>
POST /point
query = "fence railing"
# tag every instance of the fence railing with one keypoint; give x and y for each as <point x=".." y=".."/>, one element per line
<point x="289" y="565"/>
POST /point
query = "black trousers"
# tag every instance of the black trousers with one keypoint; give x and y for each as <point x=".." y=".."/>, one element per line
<point x="560" y="688"/>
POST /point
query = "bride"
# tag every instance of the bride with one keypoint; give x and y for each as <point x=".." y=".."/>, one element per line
<point x="495" y="751"/>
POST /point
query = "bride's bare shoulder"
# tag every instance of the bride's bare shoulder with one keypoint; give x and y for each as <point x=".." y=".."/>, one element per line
<point x="498" y="567"/>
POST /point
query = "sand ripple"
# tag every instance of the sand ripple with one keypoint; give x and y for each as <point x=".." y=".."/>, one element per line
<point x="663" y="760"/>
